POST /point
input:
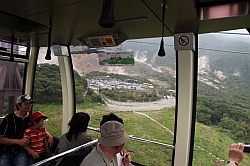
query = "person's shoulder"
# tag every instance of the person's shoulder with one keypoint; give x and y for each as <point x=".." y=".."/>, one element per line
<point x="10" y="115"/>
<point x="82" y="138"/>
<point x="92" y="159"/>
<point x="87" y="135"/>
<point x="62" y="138"/>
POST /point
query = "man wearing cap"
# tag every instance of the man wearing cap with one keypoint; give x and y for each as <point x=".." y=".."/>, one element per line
<point x="110" y="143"/>
<point x="11" y="134"/>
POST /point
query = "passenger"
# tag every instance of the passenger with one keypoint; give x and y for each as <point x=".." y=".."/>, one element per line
<point x="235" y="154"/>
<point x="12" y="128"/>
<point x="110" y="143"/>
<point x="76" y="136"/>
<point x="38" y="147"/>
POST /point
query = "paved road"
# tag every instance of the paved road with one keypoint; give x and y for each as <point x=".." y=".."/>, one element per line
<point x="145" y="106"/>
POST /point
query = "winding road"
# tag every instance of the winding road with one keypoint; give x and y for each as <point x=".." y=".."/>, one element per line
<point x="144" y="106"/>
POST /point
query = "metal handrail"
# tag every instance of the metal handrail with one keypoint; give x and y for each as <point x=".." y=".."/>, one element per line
<point x="141" y="140"/>
<point x="64" y="153"/>
<point x="151" y="142"/>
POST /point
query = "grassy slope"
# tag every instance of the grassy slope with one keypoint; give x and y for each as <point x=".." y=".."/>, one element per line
<point x="210" y="145"/>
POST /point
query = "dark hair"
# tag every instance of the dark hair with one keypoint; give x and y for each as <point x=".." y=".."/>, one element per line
<point x="78" y="123"/>
<point x="17" y="108"/>
<point x="110" y="117"/>
<point x="37" y="120"/>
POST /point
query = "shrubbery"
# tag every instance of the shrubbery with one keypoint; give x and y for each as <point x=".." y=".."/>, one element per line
<point x="48" y="89"/>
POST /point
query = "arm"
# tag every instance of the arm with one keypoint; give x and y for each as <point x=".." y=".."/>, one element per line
<point x="50" y="138"/>
<point x="62" y="145"/>
<point x="31" y="152"/>
<point x="8" y="141"/>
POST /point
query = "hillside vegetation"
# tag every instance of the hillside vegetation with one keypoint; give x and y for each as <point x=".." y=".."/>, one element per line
<point x="225" y="110"/>
<point x="48" y="89"/>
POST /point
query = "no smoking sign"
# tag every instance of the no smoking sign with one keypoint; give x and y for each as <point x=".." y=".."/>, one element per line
<point x="184" y="41"/>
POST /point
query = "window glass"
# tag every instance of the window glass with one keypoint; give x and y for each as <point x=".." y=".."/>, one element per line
<point x="223" y="96"/>
<point x="11" y="84"/>
<point x="143" y="93"/>
<point x="48" y="91"/>
<point x="221" y="9"/>
<point x="19" y="49"/>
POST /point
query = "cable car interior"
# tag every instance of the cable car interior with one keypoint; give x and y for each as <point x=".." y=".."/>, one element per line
<point x="183" y="91"/>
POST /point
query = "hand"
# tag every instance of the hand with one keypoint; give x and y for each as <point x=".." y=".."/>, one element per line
<point x="35" y="154"/>
<point x="23" y="142"/>
<point x="236" y="153"/>
<point x="50" y="139"/>
<point x="126" y="159"/>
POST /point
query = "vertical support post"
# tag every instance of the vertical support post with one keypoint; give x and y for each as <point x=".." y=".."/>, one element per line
<point x="30" y="70"/>
<point x="186" y="98"/>
<point x="185" y="103"/>
<point x="67" y="80"/>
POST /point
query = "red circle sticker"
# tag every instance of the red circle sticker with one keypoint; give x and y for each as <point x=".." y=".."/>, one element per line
<point x="183" y="40"/>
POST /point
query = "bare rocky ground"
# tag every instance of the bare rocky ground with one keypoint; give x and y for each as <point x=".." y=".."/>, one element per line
<point x="144" y="106"/>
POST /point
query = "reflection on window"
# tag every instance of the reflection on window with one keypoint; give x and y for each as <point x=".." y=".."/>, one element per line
<point x="11" y="45"/>
<point x="11" y="83"/>
<point x="226" y="10"/>
<point x="223" y="96"/>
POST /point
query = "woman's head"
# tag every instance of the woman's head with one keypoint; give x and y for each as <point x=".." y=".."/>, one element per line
<point x="78" y="123"/>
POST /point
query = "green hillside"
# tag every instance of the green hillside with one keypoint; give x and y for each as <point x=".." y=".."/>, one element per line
<point x="226" y="109"/>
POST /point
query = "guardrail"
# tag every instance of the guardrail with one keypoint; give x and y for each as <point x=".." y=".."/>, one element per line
<point x="64" y="153"/>
<point x="141" y="140"/>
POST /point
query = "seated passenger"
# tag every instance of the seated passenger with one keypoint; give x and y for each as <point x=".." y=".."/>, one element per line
<point x="110" y="143"/>
<point x="76" y="136"/>
<point x="38" y="147"/>
<point x="11" y="133"/>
